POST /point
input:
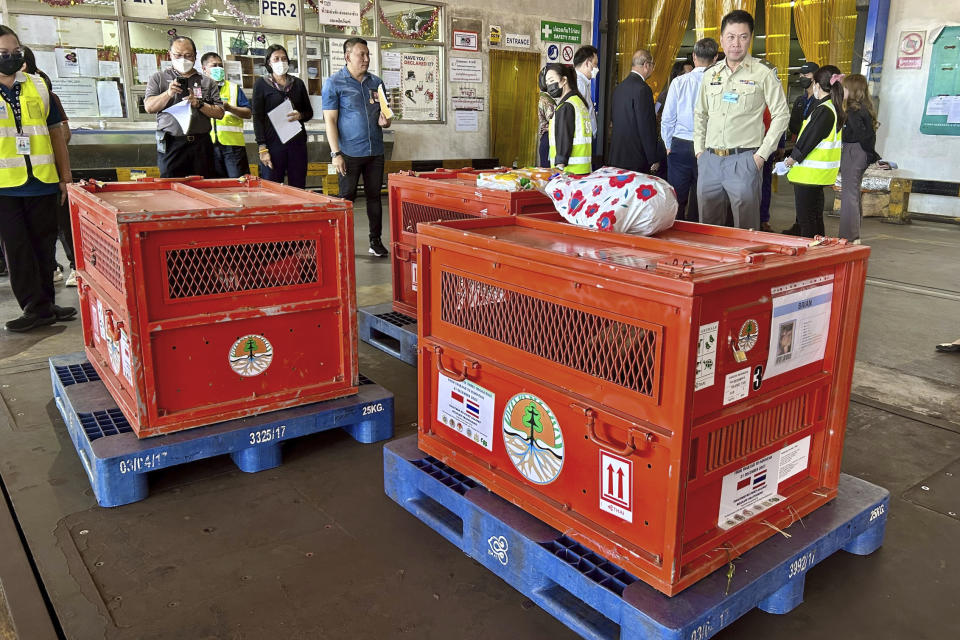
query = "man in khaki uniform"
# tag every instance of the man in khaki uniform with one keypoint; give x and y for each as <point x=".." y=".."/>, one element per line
<point x="728" y="135"/>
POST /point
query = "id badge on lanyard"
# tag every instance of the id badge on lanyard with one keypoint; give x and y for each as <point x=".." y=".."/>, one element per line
<point x="23" y="145"/>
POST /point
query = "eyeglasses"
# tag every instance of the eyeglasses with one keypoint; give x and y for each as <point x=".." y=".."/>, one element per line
<point x="188" y="56"/>
<point x="5" y="55"/>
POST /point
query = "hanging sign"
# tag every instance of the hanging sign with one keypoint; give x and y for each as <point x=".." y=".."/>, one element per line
<point x="910" y="52"/>
<point x="280" y="14"/>
<point x="338" y="13"/>
<point x="466" y="41"/>
<point x="560" y="32"/>
<point x="145" y="8"/>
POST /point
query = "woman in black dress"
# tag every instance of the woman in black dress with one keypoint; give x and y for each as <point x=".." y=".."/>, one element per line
<point x="280" y="159"/>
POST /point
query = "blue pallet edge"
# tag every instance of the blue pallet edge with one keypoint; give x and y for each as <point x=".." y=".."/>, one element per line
<point x="596" y="598"/>
<point x="391" y="332"/>
<point x="117" y="463"/>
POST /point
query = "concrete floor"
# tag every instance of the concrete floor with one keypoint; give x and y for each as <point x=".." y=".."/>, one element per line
<point x="314" y="549"/>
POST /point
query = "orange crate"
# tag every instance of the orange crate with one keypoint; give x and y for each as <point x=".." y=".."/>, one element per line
<point x="439" y="196"/>
<point x="668" y="402"/>
<point x="207" y="300"/>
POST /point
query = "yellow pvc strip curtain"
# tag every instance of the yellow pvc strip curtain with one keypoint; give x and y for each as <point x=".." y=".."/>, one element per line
<point x="778" y="37"/>
<point x="709" y="13"/>
<point x="826" y="30"/>
<point x="513" y="106"/>
<point x="654" y="25"/>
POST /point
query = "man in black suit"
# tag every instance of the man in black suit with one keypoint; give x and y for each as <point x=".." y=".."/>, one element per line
<point x="634" y="144"/>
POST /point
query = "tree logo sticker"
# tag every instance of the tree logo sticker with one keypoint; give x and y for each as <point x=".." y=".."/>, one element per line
<point x="749" y="332"/>
<point x="532" y="438"/>
<point x="251" y="355"/>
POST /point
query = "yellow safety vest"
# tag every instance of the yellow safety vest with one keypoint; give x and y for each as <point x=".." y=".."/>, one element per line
<point x="821" y="165"/>
<point x="228" y="130"/>
<point x="34" y="109"/>
<point x="580" y="158"/>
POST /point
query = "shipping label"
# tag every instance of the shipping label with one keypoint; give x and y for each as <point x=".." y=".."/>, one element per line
<point x="616" y="485"/>
<point x="793" y="459"/>
<point x="467" y="408"/>
<point x="706" y="356"/>
<point x="749" y="491"/>
<point x="736" y="386"/>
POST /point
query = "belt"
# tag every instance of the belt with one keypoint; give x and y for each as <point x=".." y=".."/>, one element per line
<point x="731" y="152"/>
<point x="192" y="138"/>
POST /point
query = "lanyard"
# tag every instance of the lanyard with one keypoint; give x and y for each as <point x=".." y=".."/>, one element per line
<point x="16" y="113"/>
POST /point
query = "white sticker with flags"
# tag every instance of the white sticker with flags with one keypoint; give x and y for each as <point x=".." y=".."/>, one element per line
<point x="467" y="408"/>
<point x="749" y="490"/>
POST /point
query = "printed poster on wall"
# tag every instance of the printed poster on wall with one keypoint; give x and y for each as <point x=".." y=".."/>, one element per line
<point x="338" y="13"/>
<point x="420" y="86"/>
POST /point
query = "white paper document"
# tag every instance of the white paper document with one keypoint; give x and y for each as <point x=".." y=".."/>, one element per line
<point x="78" y="96"/>
<point x="953" y="113"/>
<point x="182" y="113"/>
<point x="278" y="118"/>
<point x="466" y="121"/>
<point x="146" y="66"/>
<point x="89" y="64"/>
<point x="800" y="324"/>
<point x="938" y="105"/>
<point x="36" y="30"/>
<point x="781" y="169"/>
<point x="108" y="95"/>
<point x="67" y="63"/>
<point x="109" y="69"/>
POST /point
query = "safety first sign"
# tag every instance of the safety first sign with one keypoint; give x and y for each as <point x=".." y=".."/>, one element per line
<point x="279" y="14"/>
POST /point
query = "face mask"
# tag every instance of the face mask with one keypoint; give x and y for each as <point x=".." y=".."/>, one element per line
<point x="183" y="65"/>
<point x="217" y="73"/>
<point x="594" y="73"/>
<point x="805" y="82"/>
<point x="279" y="67"/>
<point x="554" y="89"/>
<point x="11" y="65"/>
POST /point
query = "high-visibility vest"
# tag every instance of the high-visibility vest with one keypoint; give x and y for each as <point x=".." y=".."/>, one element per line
<point x="821" y="165"/>
<point x="34" y="109"/>
<point x="579" y="162"/>
<point x="228" y="130"/>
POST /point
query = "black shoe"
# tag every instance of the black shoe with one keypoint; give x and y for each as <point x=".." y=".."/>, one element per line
<point x="377" y="248"/>
<point x="29" y="321"/>
<point x="64" y="313"/>
<point x="792" y="231"/>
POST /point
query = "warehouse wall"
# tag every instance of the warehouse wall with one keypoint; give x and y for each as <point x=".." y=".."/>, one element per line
<point x="432" y="141"/>
<point x="902" y="94"/>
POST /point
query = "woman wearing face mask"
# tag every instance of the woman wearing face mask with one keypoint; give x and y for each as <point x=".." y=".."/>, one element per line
<point x="570" y="132"/>
<point x="859" y="152"/>
<point x="545" y="108"/>
<point x="815" y="160"/>
<point x="278" y="158"/>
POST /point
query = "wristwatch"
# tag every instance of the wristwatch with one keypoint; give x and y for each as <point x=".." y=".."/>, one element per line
<point x="334" y="154"/>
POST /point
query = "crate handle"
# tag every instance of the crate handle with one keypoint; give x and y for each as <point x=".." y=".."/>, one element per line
<point x="456" y="377"/>
<point x="591" y="423"/>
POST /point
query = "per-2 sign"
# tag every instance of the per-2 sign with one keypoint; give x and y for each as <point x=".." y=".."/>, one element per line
<point x="280" y="14"/>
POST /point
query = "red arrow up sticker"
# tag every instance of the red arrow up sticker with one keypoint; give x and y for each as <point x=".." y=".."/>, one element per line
<point x="616" y="485"/>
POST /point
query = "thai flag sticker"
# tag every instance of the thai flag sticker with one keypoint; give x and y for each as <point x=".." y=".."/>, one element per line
<point x="759" y="480"/>
<point x="473" y="408"/>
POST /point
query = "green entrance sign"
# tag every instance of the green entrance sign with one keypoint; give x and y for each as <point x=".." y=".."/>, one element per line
<point x="560" y="32"/>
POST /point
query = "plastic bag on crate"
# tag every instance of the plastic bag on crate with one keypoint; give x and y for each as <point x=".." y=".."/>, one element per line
<point x="612" y="199"/>
<point x="515" y="180"/>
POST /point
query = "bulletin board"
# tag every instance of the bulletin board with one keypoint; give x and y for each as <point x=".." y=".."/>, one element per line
<point x="941" y="113"/>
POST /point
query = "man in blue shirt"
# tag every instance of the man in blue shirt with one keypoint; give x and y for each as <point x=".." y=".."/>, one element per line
<point x="354" y="126"/>
<point x="31" y="182"/>
<point x="676" y="129"/>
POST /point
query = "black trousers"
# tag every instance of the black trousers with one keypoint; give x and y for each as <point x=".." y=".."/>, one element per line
<point x="229" y="162"/>
<point x="682" y="176"/>
<point x="186" y="156"/>
<point x="65" y="231"/>
<point x="371" y="168"/>
<point x="289" y="160"/>
<point x="28" y="230"/>
<point x="809" y="201"/>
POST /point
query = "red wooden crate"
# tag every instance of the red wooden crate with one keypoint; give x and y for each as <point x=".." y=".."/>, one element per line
<point x="623" y="389"/>
<point x="440" y="196"/>
<point x="208" y="300"/>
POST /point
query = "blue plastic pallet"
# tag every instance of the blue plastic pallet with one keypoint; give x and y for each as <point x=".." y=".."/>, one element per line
<point x="596" y="598"/>
<point x="391" y="332"/>
<point x="117" y="462"/>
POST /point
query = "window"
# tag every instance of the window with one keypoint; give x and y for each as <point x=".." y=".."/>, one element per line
<point x="86" y="9"/>
<point x="409" y="21"/>
<point x="411" y="59"/>
<point x="244" y="52"/>
<point x="150" y="46"/>
<point x="82" y="59"/>
<point x="244" y="13"/>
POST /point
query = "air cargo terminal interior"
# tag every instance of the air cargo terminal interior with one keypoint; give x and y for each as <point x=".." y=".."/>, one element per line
<point x="375" y="319"/>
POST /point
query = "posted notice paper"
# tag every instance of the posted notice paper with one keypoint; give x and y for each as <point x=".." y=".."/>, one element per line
<point x="278" y="118"/>
<point x="800" y="324"/>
